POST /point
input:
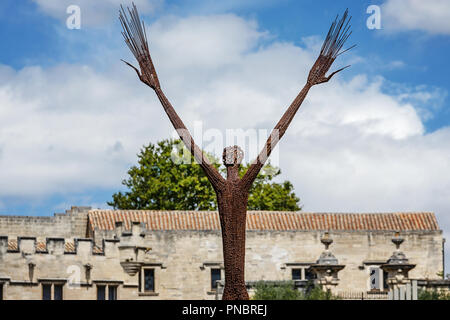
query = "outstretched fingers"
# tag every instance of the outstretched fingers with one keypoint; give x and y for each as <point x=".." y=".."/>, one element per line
<point x="326" y="79"/>
<point x="135" y="69"/>
<point x="138" y="73"/>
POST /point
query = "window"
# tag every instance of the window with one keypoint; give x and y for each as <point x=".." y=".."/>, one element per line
<point x="215" y="276"/>
<point x="1" y="291"/>
<point x="112" y="292"/>
<point x="103" y="288"/>
<point x="302" y="274"/>
<point x="385" y="278"/>
<point x="47" y="291"/>
<point x="375" y="283"/>
<point x="101" y="292"/>
<point x="58" y="292"/>
<point x="149" y="280"/>
<point x="309" y="275"/>
<point x="296" y="274"/>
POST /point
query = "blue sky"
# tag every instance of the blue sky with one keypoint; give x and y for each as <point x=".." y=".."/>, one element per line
<point x="74" y="117"/>
<point x="33" y="37"/>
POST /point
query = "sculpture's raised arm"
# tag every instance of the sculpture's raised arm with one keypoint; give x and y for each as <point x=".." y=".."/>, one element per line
<point x="136" y="38"/>
<point x="331" y="48"/>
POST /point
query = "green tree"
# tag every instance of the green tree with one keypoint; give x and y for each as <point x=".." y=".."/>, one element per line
<point x="159" y="183"/>
<point x="285" y="290"/>
<point x="434" y="294"/>
<point x="268" y="195"/>
<point x="317" y="293"/>
<point x="281" y="290"/>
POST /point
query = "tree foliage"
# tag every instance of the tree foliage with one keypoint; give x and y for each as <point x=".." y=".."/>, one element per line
<point x="285" y="290"/>
<point x="160" y="181"/>
<point x="433" y="295"/>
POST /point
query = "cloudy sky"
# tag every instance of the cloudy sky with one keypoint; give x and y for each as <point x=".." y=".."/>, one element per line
<point x="375" y="139"/>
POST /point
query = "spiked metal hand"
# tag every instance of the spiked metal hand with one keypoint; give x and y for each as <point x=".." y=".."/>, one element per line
<point x="136" y="38"/>
<point x="331" y="49"/>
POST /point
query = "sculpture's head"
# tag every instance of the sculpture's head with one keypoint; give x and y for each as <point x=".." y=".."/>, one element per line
<point x="232" y="156"/>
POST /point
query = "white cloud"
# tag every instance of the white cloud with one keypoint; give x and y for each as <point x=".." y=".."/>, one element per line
<point x="203" y="44"/>
<point x="352" y="147"/>
<point x="432" y="16"/>
<point x="94" y="12"/>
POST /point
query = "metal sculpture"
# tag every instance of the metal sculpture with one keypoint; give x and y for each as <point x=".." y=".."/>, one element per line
<point x="232" y="192"/>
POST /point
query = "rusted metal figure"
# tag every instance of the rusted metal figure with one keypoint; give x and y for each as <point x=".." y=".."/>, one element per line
<point x="232" y="192"/>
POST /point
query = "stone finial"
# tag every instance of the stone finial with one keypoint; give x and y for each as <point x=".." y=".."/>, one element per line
<point x="327" y="257"/>
<point x="326" y="240"/>
<point x="398" y="257"/>
<point x="327" y="266"/>
<point x="397" y="240"/>
<point x="397" y="266"/>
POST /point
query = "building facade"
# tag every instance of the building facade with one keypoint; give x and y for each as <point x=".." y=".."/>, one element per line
<point x="107" y="254"/>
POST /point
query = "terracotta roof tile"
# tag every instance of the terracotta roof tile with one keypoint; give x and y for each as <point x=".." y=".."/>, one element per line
<point x="69" y="247"/>
<point x="97" y="249"/>
<point x="12" y="245"/>
<point x="264" y="220"/>
<point x="41" y="246"/>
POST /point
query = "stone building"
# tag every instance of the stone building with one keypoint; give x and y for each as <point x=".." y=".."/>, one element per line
<point x="107" y="254"/>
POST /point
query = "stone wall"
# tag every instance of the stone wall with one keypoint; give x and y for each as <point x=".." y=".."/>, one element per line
<point x="182" y="260"/>
<point x="272" y="255"/>
<point x="57" y="266"/>
<point x="73" y="223"/>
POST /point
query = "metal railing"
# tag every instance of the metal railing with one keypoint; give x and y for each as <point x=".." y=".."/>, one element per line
<point x="361" y="295"/>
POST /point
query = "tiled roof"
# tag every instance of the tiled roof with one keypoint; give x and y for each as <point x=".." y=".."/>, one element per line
<point x="265" y="220"/>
